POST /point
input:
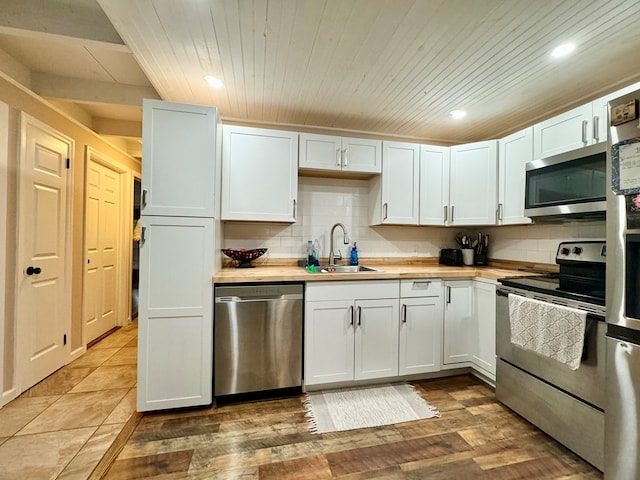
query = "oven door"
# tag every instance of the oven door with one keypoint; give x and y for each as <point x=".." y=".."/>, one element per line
<point x="586" y="382"/>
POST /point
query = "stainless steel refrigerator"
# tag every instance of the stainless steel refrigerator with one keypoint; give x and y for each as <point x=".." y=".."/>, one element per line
<point x="622" y="420"/>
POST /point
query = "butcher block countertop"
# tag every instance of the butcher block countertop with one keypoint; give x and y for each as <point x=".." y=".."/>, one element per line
<point x="283" y="271"/>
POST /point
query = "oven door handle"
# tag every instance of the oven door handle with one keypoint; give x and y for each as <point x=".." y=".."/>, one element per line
<point x="502" y="293"/>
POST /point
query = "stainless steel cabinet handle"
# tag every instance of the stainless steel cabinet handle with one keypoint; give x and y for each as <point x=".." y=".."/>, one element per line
<point x="346" y="157"/>
<point x="422" y="282"/>
<point x="294" y="208"/>
<point x="448" y="294"/>
<point x="596" y="132"/>
<point x="338" y="157"/>
<point x="143" y="235"/>
<point x="359" y="316"/>
<point x="452" y="207"/>
<point x="144" y="198"/>
<point x="404" y="313"/>
<point x="585" y="123"/>
<point x="446" y="213"/>
<point x="499" y="211"/>
<point x="351" y="315"/>
<point x="384" y="210"/>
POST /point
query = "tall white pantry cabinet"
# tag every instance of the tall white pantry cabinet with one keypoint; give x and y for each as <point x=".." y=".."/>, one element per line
<point x="180" y="164"/>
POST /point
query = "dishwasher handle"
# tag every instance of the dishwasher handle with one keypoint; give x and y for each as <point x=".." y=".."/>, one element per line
<point x="237" y="299"/>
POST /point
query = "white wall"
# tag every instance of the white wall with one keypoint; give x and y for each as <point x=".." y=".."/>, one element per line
<point x="325" y="201"/>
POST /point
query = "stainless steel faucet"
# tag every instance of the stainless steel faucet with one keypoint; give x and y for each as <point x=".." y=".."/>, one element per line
<point x="332" y="256"/>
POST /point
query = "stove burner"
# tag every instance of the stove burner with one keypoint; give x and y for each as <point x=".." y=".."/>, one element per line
<point x="580" y="278"/>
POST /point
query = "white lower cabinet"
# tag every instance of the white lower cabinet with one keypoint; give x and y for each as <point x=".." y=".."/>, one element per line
<point x="175" y="338"/>
<point x="351" y="331"/>
<point x="484" y="351"/>
<point x="458" y="323"/>
<point x="329" y="345"/>
<point x="387" y="328"/>
<point x="420" y="348"/>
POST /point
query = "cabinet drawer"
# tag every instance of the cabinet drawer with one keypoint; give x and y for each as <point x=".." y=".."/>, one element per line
<point x="423" y="287"/>
<point x="369" y="289"/>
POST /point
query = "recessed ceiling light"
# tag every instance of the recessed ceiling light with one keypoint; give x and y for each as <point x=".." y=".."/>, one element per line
<point x="563" y="50"/>
<point x="214" y="82"/>
<point x="457" y="114"/>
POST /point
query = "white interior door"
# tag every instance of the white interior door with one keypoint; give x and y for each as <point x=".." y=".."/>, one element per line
<point x="43" y="298"/>
<point x="102" y="234"/>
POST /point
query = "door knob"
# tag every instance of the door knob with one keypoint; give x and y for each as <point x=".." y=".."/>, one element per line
<point x="33" y="270"/>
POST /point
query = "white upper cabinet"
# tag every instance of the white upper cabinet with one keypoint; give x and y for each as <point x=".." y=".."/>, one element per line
<point x="332" y="153"/>
<point x="473" y="179"/>
<point x="567" y="131"/>
<point x="394" y="195"/>
<point x="434" y="185"/>
<point x="179" y="159"/>
<point x="580" y="127"/>
<point x="601" y="112"/>
<point x="514" y="153"/>
<point x="259" y="174"/>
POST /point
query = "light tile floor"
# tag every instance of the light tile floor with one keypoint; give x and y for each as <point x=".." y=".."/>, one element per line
<point x="61" y="427"/>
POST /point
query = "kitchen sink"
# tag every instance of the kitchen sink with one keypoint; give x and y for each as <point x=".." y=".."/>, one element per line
<point x="343" y="269"/>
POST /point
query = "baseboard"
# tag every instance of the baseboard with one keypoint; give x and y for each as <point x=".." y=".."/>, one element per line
<point x="7" y="396"/>
<point x="102" y="337"/>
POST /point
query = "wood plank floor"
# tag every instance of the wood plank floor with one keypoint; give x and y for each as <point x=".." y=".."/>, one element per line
<point x="475" y="438"/>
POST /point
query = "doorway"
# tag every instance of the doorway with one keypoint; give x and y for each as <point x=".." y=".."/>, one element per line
<point x="107" y="240"/>
<point x="135" y="252"/>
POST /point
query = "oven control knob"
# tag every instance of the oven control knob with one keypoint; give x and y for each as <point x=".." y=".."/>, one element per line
<point x="577" y="250"/>
<point x="565" y="251"/>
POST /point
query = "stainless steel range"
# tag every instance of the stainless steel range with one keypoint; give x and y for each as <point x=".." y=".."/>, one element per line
<point x="564" y="397"/>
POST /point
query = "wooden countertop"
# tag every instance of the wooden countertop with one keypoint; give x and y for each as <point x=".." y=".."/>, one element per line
<point x="390" y="271"/>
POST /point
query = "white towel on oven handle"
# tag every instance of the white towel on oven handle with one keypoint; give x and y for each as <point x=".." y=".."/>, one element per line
<point x="554" y="331"/>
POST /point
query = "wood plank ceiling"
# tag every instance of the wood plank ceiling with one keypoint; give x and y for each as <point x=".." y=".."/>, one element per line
<point x="393" y="67"/>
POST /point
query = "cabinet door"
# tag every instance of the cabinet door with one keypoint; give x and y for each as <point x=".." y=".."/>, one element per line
<point x="328" y="345"/>
<point x="484" y="351"/>
<point x="434" y="185"/>
<point x="175" y="337"/>
<point x="600" y="110"/>
<point x="514" y="153"/>
<point x="361" y="155"/>
<point x="420" y="335"/>
<point x="458" y="322"/>
<point x="473" y="182"/>
<point x="259" y="174"/>
<point x="567" y="131"/>
<point x="178" y="159"/>
<point x="400" y="183"/>
<point x="376" y="338"/>
<point x="320" y="152"/>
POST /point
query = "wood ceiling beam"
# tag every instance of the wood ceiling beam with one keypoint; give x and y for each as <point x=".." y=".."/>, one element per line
<point x="89" y="91"/>
<point x="79" y="19"/>
<point x="118" y="128"/>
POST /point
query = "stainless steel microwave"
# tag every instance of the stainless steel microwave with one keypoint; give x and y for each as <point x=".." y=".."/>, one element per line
<point x="572" y="184"/>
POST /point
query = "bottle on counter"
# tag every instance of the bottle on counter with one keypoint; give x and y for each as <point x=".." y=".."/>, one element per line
<point x="353" y="257"/>
<point x="311" y="253"/>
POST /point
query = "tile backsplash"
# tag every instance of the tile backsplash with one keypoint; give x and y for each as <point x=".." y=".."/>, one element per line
<point x="324" y="201"/>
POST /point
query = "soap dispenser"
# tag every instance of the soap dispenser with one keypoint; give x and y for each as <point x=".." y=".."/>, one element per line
<point x="353" y="258"/>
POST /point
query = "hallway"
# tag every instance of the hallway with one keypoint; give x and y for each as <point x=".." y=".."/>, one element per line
<point x="62" y="427"/>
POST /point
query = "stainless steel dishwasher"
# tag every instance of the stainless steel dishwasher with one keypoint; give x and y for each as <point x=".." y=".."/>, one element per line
<point x="257" y="338"/>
